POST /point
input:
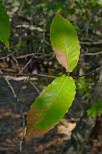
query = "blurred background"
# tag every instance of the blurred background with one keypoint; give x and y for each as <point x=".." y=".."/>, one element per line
<point x="30" y="65"/>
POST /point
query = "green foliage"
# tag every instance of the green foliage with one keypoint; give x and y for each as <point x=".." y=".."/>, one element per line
<point x="37" y="15"/>
<point x="54" y="101"/>
<point x="96" y="109"/>
<point x="4" y="25"/>
<point x="64" y="38"/>
<point x="83" y="87"/>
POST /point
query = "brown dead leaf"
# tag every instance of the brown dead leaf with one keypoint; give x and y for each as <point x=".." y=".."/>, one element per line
<point x="8" y="141"/>
<point x="5" y="113"/>
<point x="61" y="57"/>
<point x="16" y="116"/>
<point x="31" y="131"/>
<point x="66" y="128"/>
<point x="19" y="132"/>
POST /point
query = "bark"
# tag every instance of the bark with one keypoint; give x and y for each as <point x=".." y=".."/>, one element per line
<point x="80" y="135"/>
<point x="98" y="126"/>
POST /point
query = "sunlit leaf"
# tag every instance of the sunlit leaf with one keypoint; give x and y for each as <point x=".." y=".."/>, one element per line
<point x="4" y="25"/>
<point x="50" y="106"/>
<point x="65" y="42"/>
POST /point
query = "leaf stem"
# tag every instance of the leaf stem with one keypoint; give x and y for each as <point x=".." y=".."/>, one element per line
<point x="67" y="73"/>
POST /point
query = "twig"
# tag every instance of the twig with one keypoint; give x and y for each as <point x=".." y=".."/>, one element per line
<point x="6" y="56"/>
<point x="47" y="42"/>
<point x="92" y="54"/>
<point x="19" y="90"/>
<point x="22" y="114"/>
<point x="16" y="62"/>
<point x="23" y="118"/>
<point x="30" y="75"/>
<point x="14" y="94"/>
<point x="25" y="66"/>
<point x="38" y="91"/>
<point x="22" y="139"/>
<point x="91" y="43"/>
<point x="9" y="84"/>
<point x="43" y="75"/>
<point x="89" y="72"/>
<point x="27" y="55"/>
<point x="43" y="40"/>
<point x="32" y="54"/>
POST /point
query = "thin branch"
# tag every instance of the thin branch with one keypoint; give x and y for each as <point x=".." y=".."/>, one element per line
<point x="9" y="84"/>
<point x="48" y="76"/>
<point x="47" y="42"/>
<point x="93" y="54"/>
<point x="16" y="62"/>
<point x="38" y="91"/>
<point x="30" y="75"/>
<point x="41" y="55"/>
<point x="22" y="139"/>
<point x="19" y="89"/>
<point x="21" y="71"/>
<point x="43" y="40"/>
<point x="89" y="72"/>
<point x="35" y="55"/>
<point x="6" y="56"/>
<point x="22" y="114"/>
<point x="91" y="43"/>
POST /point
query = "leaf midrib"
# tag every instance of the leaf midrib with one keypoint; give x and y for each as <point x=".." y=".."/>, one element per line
<point x="66" y="53"/>
<point x="57" y="95"/>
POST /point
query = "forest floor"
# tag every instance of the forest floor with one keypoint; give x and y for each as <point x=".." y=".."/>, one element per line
<point x="11" y="123"/>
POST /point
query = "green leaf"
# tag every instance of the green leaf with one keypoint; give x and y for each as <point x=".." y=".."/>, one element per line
<point x="50" y="106"/>
<point x="96" y="109"/>
<point x="54" y="101"/>
<point x="4" y="26"/>
<point x="65" y="42"/>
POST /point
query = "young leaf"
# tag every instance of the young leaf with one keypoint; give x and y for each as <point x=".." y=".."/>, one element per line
<point x="65" y="42"/>
<point x="4" y="26"/>
<point x="50" y="106"/>
<point x="96" y="109"/>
